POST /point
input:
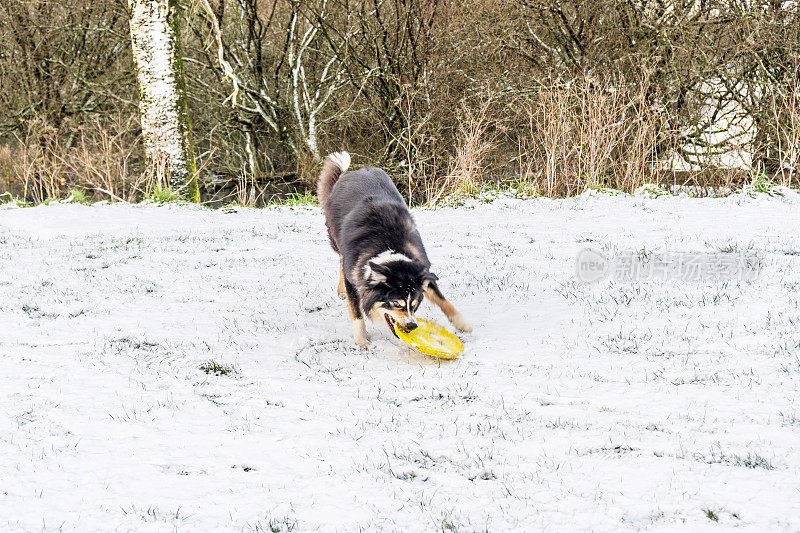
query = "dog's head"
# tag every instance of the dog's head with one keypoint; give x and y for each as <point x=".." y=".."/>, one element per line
<point x="395" y="291"/>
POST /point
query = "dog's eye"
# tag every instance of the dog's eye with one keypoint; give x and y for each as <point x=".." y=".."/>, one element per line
<point x="397" y="304"/>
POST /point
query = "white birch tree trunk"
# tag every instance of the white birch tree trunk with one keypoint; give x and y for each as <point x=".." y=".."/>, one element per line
<point x="162" y="94"/>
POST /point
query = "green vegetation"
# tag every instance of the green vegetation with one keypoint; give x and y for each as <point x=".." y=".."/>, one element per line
<point x="295" y="199"/>
<point x="218" y="369"/>
<point x="164" y="195"/>
<point x="753" y="460"/>
<point x="763" y="185"/>
<point x="79" y="196"/>
<point x="8" y="198"/>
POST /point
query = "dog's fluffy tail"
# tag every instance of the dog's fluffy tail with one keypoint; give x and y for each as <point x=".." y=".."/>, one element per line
<point x="335" y="165"/>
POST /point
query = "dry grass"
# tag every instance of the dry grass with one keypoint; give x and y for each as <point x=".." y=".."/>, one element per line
<point x="100" y="158"/>
<point x="586" y="135"/>
<point x="786" y="112"/>
<point x="106" y="160"/>
<point x="556" y="141"/>
<point x="477" y="142"/>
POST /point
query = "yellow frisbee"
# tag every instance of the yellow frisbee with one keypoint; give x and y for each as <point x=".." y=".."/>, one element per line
<point x="432" y="339"/>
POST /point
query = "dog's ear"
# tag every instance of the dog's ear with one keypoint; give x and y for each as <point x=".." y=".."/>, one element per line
<point x="376" y="273"/>
<point x="379" y="268"/>
<point x="427" y="278"/>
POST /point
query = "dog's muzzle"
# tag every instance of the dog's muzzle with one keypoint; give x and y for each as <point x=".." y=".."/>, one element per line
<point x="392" y="323"/>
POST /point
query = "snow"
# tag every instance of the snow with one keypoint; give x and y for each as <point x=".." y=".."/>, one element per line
<point x="605" y="407"/>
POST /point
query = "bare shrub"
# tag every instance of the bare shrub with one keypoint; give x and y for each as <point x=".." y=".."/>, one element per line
<point x="586" y="134"/>
<point x="35" y="174"/>
<point x="476" y="143"/>
<point x="101" y="158"/>
<point x="63" y="61"/>
<point x="547" y="148"/>
<point x="543" y="95"/>
<point x="786" y="113"/>
<point x="106" y="160"/>
<point x="6" y="167"/>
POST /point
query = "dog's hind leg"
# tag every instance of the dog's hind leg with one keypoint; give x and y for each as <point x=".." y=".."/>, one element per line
<point x="356" y="317"/>
<point x="340" y="290"/>
<point x="433" y="294"/>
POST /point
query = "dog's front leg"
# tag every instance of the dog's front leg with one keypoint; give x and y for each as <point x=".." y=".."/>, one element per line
<point x="357" y="318"/>
<point x="433" y="294"/>
<point x="340" y="290"/>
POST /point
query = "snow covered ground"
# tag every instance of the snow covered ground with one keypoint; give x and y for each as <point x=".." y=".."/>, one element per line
<point x="655" y="405"/>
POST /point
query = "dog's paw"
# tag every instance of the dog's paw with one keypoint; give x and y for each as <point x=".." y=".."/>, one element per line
<point x="360" y="336"/>
<point x="461" y="323"/>
<point x="363" y="343"/>
<point x="342" y="294"/>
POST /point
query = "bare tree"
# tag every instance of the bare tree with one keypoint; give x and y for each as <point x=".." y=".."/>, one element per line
<point x="761" y="76"/>
<point x="389" y="62"/>
<point x="684" y="90"/>
<point x="162" y="94"/>
<point x="284" y="72"/>
<point x="60" y="63"/>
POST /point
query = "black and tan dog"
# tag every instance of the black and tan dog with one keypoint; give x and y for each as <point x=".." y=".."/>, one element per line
<point x="384" y="271"/>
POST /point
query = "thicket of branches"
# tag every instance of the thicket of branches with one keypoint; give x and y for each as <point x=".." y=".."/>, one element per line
<point x="550" y="95"/>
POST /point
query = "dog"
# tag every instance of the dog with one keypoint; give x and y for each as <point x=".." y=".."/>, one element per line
<point x="383" y="269"/>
